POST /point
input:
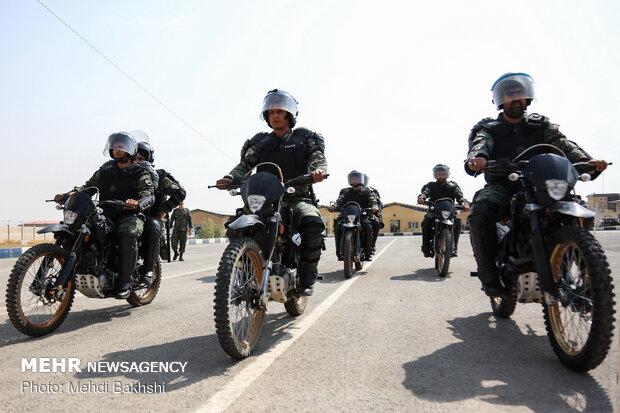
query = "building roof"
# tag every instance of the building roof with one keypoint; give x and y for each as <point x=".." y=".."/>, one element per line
<point x="409" y="206"/>
<point x="217" y="214"/>
<point x="39" y="223"/>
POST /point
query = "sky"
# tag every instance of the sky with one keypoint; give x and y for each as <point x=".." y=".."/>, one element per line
<point x="393" y="86"/>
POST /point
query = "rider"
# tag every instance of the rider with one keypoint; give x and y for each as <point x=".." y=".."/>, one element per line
<point x="168" y="194"/>
<point x="360" y="194"/>
<point x="513" y="131"/>
<point x="122" y="179"/>
<point x="297" y="152"/>
<point x="376" y="220"/>
<point x="432" y="191"/>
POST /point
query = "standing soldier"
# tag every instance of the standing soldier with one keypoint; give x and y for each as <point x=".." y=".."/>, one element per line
<point x="181" y="223"/>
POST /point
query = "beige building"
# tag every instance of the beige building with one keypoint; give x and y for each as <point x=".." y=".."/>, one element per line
<point x="397" y="217"/>
<point x="605" y="205"/>
<point x="199" y="216"/>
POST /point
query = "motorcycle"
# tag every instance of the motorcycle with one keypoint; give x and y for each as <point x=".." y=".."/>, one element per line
<point x="352" y="239"/>
<point x="444" y="212"/>
<point x="547" y="255"/>
<point x="43" y="282"/>
<point x="259" y="264"/>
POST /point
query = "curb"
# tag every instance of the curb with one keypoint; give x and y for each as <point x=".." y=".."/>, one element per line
<point x="194" y="241"/>
<point x="12" y="252"/>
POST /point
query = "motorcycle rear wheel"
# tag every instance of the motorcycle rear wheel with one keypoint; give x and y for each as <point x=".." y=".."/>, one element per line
<point x="442" y="258"/>
<point x="580" y="327"/>
<point x="296" y="305"/>
<point x="144" y="296"/>
<point x="347" y="252"/>
<point x="35" y="307"/>
<point x="238" y="317"/>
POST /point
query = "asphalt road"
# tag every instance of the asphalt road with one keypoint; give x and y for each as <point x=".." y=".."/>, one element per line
<point x="394" y="338"/>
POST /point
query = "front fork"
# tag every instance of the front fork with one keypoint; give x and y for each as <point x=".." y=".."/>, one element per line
<point x="541" y="254"/>
<point x="68" y="268"/>
<point x="272" y="235"/>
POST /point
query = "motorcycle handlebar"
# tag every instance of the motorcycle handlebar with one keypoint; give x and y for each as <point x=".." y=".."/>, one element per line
<point x="116" y="204"/>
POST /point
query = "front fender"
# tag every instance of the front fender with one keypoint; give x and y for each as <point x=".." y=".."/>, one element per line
<point x="55" y="228"/>
<point x="571" y="208"/>
<point x="245" y="221"/>
<point x="447" y="222"/>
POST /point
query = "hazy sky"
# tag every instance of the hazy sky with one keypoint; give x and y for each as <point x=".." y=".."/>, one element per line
<point x="393" y="86"/>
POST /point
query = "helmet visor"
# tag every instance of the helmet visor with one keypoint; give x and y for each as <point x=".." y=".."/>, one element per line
<point x="140" y="136"/>
<point x="279" y="100"/>
<point x="513" y="87"/>
<point x="356" y="178"/>
<point x="441" y="172"/>
<point x="121" y="141"/>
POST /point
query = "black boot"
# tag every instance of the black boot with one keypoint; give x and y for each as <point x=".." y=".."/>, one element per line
<point x="181" y="257"/>
<point x="176" y="255"/>
<point x="125" y="264"/>
<point x="311" y="239"/>
<point x="152" y="235"/>
<point x="483" y="237"/>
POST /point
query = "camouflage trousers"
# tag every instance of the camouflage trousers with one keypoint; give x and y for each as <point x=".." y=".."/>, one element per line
<point x="302" y="210"/>
<point x="178" y="240"/>
<point x="500" y="195"/>
<point x="128" y="224"/>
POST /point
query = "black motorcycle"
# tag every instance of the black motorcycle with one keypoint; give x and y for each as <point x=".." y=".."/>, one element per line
<point x="444" y="212"/>
<point x="44" y="279"/>
<point x="259" y="264"/>
<point x="547" y="255"/>
<point x="352" y="239"/>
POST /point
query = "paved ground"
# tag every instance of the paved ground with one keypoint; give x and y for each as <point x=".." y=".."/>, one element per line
<point x="394" y="338"/>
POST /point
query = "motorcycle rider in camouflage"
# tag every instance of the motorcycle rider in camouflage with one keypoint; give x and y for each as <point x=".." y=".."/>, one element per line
<point x="297" y="152"/>
<point x="363" y="196"/>
<point x="122" y="178"/>
<point x="181" y="222"/>
<point x="513" y="131"/>
<point x="168" y="194"/>
<point x="432" y="191"/>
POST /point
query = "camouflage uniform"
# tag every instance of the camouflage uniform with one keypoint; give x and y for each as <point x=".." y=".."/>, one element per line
<point x="131" y="222"/>
<point x="482" y="145"/>
<point x="300" y="201"/>
<point x="181" y="222"/>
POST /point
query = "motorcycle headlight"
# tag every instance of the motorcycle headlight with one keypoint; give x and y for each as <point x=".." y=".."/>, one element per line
<point x="445" y="214"/>
<point x="556" y="188"/>
<point x="69" y="216"/>
<point x="351" y="218"/>
<point x="255" y="202"/>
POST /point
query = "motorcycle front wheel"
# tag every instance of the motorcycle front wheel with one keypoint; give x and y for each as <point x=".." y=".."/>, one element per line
<point x="580" y="324"/>
<point x="444" y="253"/>
<point x="35" y="306"/>
<point x="347" y="254"/>
<point x="238" y="317"/>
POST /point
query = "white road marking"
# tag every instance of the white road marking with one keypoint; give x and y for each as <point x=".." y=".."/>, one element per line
<point x="187" y="273"/>
<point x="221" y="400"/>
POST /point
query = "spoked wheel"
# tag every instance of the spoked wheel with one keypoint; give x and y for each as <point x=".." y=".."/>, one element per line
<point x="238" y="316"/>
<point x="580" y="325"/>
<point x="296" y="305"/>
<point x="444" y="253"/>
<point x="143" y="294"/>
<point x="347" y="249"/>
<point x="34" y="305"/>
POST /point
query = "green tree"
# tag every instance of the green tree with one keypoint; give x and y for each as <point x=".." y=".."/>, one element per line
<point x="211" y="230"/>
